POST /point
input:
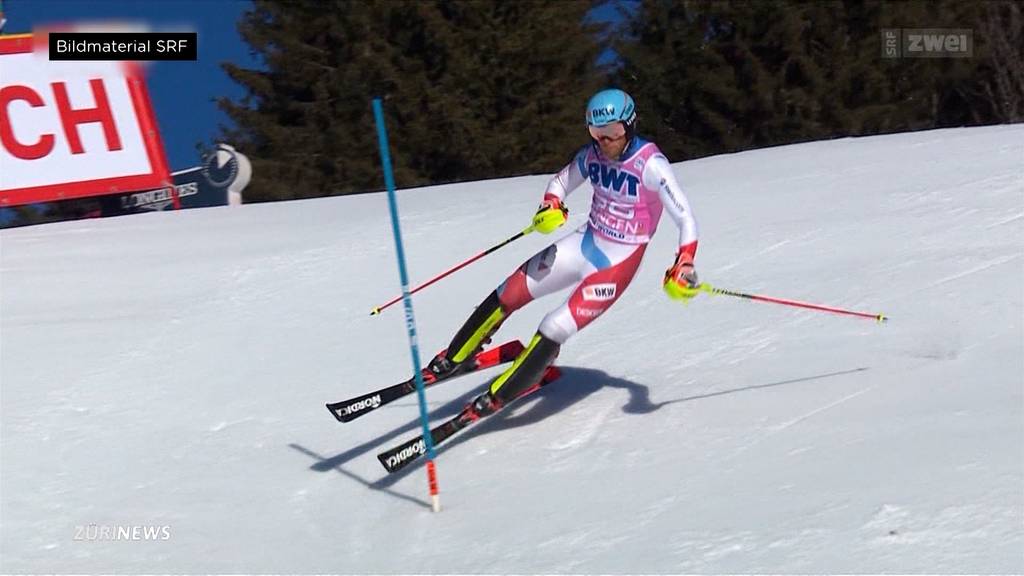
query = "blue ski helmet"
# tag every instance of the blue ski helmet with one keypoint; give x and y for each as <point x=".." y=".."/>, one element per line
<point x="610" y="106"/>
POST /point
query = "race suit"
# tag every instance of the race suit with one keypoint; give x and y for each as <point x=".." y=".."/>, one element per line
<point x="601" y="256"/>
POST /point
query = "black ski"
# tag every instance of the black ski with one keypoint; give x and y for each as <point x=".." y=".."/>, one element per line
<point x="348" y="410"/>
<point x="406" y="453"/>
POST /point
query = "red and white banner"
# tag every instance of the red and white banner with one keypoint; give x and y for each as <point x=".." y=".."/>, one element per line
<point x="73" y="129"/>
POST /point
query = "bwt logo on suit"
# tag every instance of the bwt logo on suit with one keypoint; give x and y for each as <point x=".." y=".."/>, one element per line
<point x="927" y="42"/>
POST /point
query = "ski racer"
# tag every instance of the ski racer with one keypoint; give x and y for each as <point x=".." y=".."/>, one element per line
<point x="632" y="184"/>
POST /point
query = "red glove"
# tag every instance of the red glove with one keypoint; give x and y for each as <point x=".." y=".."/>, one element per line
<point x="681" y="281"/>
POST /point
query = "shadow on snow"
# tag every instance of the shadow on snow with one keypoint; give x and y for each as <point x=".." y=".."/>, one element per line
<point x="574" y="385"/>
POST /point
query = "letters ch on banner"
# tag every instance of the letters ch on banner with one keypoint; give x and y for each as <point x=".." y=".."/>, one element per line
<point x="74" y="129"/>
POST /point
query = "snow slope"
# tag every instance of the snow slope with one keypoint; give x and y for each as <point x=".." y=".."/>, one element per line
<point x="170" y="371"/>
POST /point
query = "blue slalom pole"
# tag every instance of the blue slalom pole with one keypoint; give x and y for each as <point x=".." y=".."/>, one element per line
<point x="410" y="321"/>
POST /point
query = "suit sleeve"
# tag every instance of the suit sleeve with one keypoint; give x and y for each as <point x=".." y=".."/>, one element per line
<point x="568" y="178"/>
<point x="658" y="175"/>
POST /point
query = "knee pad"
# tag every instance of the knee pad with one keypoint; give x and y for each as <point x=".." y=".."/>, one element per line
<point x="558" y="325"/>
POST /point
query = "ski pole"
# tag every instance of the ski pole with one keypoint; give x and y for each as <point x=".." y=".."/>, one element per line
<point x="705" y="287"/>
<point x="458" y="267"/>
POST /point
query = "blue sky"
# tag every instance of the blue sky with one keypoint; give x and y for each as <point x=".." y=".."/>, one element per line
<point x="182" y="92"/>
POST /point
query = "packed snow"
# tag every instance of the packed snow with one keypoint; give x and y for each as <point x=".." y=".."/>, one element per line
<point x="164" y="379"/>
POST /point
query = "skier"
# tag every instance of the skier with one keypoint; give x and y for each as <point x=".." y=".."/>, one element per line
<point x="633" y="183"/>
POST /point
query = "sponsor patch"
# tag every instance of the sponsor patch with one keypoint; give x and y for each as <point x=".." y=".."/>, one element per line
<point x="599" y="292"/>
<point x="588" y="312"/>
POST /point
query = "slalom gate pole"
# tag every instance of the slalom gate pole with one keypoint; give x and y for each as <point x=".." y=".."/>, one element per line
<point x="456" y="268"/>
<point x="704" y="287"/>
<point x="410" y="321"/>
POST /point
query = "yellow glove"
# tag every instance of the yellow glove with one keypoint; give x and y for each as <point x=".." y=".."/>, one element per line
<point x="550" y="215"/>
<point x="681" y="279"/>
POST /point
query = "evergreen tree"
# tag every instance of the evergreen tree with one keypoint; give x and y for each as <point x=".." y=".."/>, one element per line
<point x="473" y="89"/>
<point x="716" y="76"/>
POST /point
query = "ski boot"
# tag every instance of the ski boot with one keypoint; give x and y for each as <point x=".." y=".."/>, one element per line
<point x="520" y="378"/>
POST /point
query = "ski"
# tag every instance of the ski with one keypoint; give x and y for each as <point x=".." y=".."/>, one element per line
<point x="406" y="453"/>
<point x="348" y="410"/>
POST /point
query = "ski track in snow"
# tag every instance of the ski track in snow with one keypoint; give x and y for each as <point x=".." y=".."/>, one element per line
<point x="767" y="432"/>
<point x="1005" y="221"/>
<point x="970" y="271"/>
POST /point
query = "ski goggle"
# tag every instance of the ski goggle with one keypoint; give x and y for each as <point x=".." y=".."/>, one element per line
<point x="608" y="132"/>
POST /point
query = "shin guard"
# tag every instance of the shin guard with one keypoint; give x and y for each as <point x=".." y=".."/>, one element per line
<point x="478" y="329"/>
<point x="526" y="371"/>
